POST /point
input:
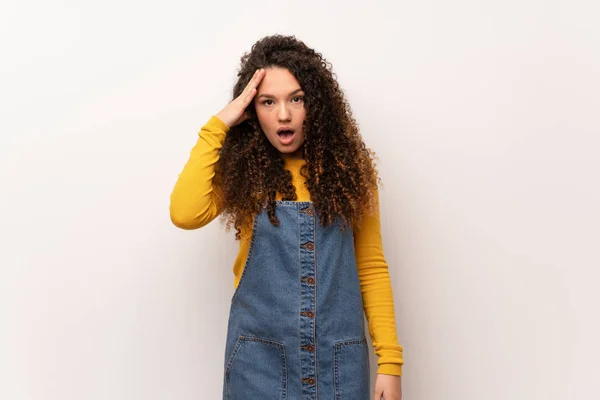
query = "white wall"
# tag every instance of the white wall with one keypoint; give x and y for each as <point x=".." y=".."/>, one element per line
<point x="485" y="116"/>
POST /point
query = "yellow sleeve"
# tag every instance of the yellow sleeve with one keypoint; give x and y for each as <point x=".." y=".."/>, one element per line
<point x="376" y="289"/>
<point x="195" y="201"/>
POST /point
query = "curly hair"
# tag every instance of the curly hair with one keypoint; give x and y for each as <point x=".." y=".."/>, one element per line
<point x="340" y="172"/>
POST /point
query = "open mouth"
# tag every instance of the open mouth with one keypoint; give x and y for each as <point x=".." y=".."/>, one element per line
<point x="286" y="135"/>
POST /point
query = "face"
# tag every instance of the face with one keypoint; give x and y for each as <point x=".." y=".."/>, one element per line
<point x="279" y="103"/>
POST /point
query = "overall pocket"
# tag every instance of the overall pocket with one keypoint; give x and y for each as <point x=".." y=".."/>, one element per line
<point x="256" y="370"/>
<point x="351" y="369"/>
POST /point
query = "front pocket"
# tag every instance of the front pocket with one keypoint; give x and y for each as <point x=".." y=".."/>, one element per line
<point x="351" y="369"/>
<point x="256" y="370"/>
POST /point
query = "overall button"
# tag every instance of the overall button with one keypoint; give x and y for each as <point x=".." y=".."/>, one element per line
<point x="309" y="347"/>
<point x="310" y="381"/>
<point x="310" y="280"/>
<point x="308" y="211"/>
<point x="308" y="314"/>
<point x="309" y="246"/>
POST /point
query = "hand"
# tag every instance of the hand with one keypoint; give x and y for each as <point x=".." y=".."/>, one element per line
<point x="234" y="113"/>
<point x="388" y="386"/>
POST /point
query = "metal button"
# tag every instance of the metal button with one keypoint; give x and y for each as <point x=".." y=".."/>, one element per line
<point x="309" y="211"/>
<point x="309" y="246"/>
<point x="310" y="381"/>
<point x="309" y="279"/>
<point x="309" y="347"/>
<point x="308" y="314"/>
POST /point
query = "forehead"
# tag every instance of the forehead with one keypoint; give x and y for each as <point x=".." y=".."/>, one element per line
<point x="278" y="81"/>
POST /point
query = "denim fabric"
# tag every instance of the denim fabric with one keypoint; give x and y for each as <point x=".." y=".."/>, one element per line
<point x="295" y="327"/>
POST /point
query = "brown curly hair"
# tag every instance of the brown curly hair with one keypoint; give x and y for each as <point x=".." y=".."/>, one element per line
<point x="340" y="172"/>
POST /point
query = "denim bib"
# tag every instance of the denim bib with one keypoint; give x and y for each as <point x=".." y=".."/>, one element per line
<point x="296" y="328"/>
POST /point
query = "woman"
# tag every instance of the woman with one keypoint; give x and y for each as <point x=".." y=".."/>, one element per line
<point x="284" y="163"/>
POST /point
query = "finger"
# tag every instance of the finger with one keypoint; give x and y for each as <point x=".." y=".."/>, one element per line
<point x="248" y="85"/>
<point x="249" y="97"/>
<point x="259" y="77"/>
<point x="255" y="80"/>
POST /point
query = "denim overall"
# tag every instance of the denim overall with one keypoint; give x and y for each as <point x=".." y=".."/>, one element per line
<point x="295" y="327"/>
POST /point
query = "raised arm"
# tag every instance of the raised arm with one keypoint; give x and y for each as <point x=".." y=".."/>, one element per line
<point x="196" y="200"/>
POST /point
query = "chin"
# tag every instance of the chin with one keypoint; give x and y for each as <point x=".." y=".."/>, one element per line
<point x="288" y="150"/>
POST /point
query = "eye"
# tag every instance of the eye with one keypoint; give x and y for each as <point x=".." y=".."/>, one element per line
<point x="297" y="99"/>
<point x="266" y="102"/>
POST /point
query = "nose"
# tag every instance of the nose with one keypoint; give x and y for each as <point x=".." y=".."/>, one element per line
<point x="283" y="114"/>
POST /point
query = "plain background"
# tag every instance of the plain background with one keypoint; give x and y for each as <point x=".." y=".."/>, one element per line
<point x="485" y="118"/>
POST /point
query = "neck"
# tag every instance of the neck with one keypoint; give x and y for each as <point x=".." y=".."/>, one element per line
<point x="297" y="155"/>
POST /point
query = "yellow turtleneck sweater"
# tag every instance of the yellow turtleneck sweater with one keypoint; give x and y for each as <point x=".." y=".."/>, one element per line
<point x="194" y="203"/>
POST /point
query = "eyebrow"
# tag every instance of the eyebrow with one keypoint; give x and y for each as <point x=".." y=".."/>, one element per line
<point x="271" y="96"/>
